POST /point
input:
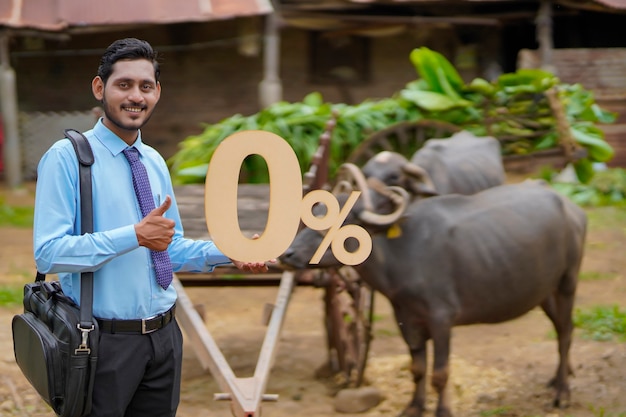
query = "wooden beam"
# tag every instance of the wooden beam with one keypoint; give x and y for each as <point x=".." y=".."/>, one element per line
<point x="484" y="20"/>
<point x="245" y="394"/>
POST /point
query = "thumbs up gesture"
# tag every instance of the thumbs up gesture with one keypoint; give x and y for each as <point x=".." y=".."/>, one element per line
<point x="155" y="231"/>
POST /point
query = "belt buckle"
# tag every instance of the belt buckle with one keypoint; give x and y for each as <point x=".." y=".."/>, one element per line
<point x="143" y="325"/>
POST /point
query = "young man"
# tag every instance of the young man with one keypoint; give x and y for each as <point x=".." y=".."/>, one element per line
<point x="138" y="372"/>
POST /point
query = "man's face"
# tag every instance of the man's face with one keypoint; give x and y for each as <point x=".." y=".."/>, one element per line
<point x="129" y="97"/>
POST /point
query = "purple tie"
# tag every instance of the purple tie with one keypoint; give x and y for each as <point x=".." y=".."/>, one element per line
<point x="162" y="264"/>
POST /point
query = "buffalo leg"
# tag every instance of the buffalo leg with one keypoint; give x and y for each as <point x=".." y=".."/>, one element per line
<point x="415" y="336"/>
<point x="564" y="300"/>
<point x="559" y="307"/>
<point x="441" y="345"/>
<point x="549" y="306"/>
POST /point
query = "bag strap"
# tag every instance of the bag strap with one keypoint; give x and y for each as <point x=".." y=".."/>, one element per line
<point x="85" y="159"/>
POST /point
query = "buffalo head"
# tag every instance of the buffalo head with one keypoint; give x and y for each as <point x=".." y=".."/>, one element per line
<point x="395" y="170"/>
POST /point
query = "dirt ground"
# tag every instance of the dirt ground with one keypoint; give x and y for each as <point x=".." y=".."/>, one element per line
<point x="496" y="370"/>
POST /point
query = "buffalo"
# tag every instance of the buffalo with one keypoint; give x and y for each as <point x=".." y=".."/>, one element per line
<point x="461" y="164"/>
<point x="459" y="260"/>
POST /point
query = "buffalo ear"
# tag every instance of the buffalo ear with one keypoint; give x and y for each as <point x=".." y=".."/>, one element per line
<point x="419" y="181"/>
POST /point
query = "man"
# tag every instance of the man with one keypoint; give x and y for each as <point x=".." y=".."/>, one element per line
<point x="138" y="373"/>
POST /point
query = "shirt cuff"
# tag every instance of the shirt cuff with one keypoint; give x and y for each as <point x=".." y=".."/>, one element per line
<point x="217" y="260"/>
<point x="124" y="238"/>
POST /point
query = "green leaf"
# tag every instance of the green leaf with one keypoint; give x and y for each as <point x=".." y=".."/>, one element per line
<point x="446" y="86"/>
<point x="584" y="170"/>
<point x="527" y="80"/>
<point x="591" y="138"/>
<point x="196" y="171"/>
<point x="602" y="115"/>
<point x="451" y="74"/>
<point x="313" y="99"/>
<point x="438" y="72"/>
<point x="432" y="101"/>
<point x="482" y="86"/>
<point x="547" y="142"/>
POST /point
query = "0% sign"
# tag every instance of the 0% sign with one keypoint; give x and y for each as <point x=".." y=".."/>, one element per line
<point x="286" y="204"/>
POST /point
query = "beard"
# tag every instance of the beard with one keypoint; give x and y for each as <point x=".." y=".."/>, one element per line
<point x="114" y="118"/>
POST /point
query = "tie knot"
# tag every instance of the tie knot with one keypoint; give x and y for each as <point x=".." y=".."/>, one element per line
<point x="132" y="154"/>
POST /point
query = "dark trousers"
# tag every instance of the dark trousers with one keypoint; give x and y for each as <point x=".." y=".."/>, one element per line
<point x="138" y="375"/>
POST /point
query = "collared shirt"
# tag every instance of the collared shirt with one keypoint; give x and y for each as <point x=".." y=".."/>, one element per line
<point x="125" y="286"/>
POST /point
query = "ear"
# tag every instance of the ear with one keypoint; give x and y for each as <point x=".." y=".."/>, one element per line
<point x="97" y="88"/>
<point x="158" y="90"/>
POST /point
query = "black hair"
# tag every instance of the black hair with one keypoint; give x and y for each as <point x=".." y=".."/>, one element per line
<point x="129" y="48"/>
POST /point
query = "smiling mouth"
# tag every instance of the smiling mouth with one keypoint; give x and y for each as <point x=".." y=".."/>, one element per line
<point x="133" y="109"/>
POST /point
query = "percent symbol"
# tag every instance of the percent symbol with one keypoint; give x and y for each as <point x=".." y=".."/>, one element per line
<point x="336" y="234"/>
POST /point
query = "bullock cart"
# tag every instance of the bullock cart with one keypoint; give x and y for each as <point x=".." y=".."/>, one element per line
<point x="348" y="301"/>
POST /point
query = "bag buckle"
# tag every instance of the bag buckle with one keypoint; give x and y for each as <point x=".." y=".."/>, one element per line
<point x="83" y="347"/>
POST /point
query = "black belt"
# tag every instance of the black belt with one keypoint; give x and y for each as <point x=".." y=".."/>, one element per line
<point x="139" y="326"/>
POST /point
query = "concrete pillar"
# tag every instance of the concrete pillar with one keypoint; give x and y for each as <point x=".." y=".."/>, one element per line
<point x="9" y="109"/>
<point x="271" y="88"/>
<point x="544" y="36"/>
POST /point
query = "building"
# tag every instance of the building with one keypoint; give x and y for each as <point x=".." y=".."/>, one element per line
<point x="222" y="57"/>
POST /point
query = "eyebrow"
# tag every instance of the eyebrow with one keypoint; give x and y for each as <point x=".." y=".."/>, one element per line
<point x="132" y="80"/>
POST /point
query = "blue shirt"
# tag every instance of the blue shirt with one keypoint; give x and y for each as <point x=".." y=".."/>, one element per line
<point x="125" y="286"/>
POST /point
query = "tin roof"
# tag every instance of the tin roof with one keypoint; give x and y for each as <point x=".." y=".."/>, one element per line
<point x="58" y="15"/>
<point x="608" y="5"/>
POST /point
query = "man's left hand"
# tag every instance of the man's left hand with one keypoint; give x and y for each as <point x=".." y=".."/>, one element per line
<point x="252" y="266"/>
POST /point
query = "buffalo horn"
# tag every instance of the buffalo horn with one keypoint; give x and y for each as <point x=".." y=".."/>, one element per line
<point x="400" y="197"/>
<point x="349" y="173"/>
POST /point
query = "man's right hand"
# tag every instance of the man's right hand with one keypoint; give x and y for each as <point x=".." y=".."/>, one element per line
<point x="155" y="231"/>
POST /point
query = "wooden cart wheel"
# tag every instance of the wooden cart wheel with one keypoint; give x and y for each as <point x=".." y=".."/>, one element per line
<point x="348" y="316"/>
<point x="403" y="137"/>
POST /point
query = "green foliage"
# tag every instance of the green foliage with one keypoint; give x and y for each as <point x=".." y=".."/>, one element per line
<point x="602" y="323"/>
<point x="596" y="276"/>
<point x="300" y="124"/>
<point x="606" y="188"/>
<point x="15" y="216"/>
<point x="606" y="218"/>
<point x="11" y="296"/>
<point x="500" y="411"/>
<point x="513" y="108"/>
<point x="601" y="412"/>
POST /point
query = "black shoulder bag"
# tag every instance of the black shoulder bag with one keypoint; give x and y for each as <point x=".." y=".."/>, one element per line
<point x="56" y="342"/>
